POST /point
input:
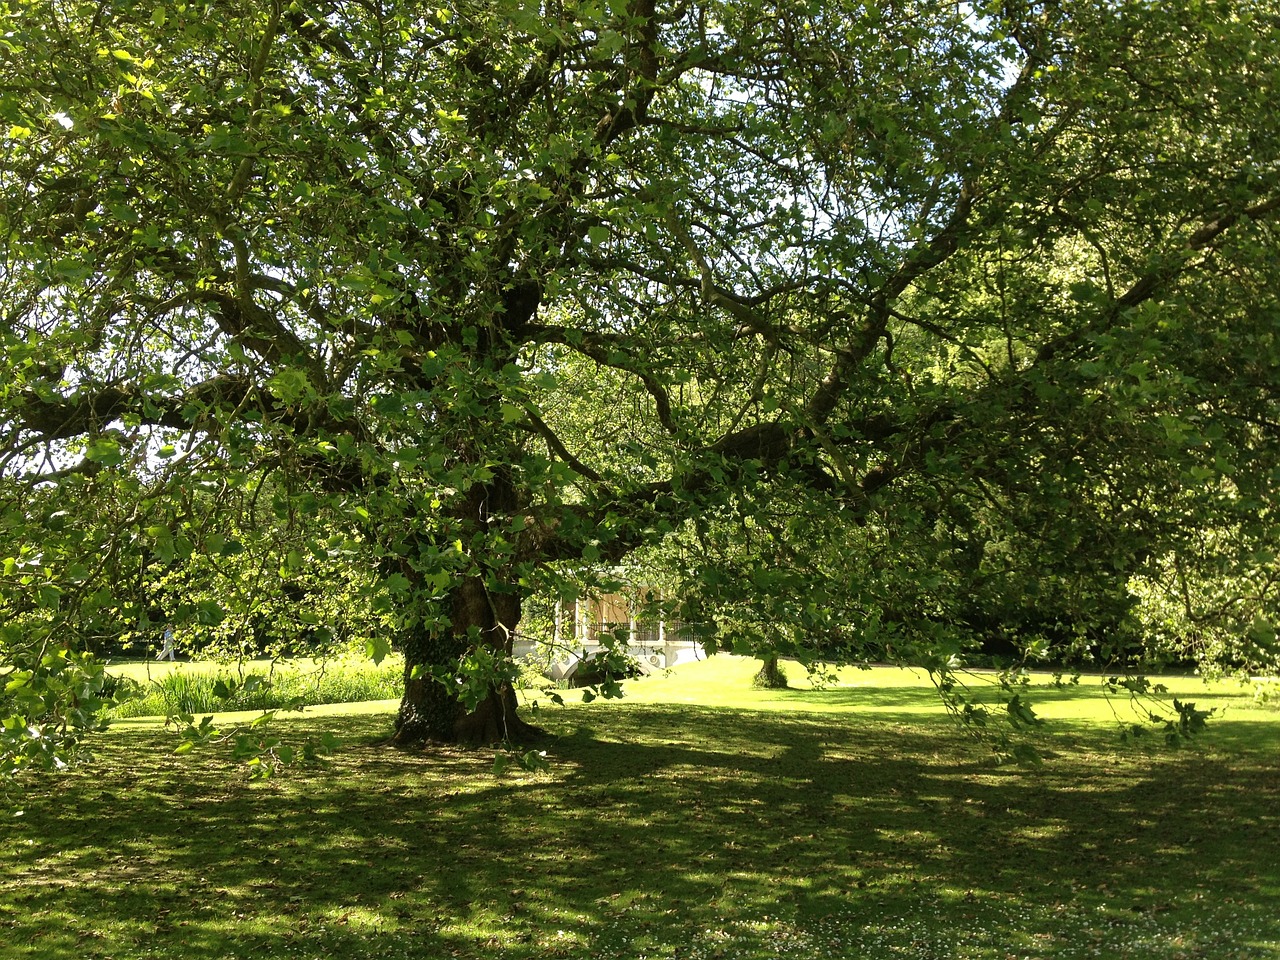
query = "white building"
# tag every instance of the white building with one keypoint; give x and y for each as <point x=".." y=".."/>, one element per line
<point x="580" y="624"/>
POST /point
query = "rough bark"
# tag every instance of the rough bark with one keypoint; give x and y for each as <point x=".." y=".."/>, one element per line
<point x="480" y="616"/>
<point x="429" y="710"/>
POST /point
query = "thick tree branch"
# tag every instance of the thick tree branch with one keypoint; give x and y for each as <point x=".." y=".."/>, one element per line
<point x="1156" y="281"/>
<point x="557" y="446"/>
<point x="92" y="411"/>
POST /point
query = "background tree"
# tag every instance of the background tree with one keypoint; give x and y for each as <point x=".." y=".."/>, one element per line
<point x="1010" y="252"/>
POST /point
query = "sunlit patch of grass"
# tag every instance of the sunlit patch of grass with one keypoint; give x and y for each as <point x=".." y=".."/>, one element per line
<point x="853" y="822"/>
<point x="907" y="695"/>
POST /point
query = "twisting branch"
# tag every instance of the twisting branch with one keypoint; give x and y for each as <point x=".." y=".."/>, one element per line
<point x="608" y="352"/>
<point x="557" y="446"/>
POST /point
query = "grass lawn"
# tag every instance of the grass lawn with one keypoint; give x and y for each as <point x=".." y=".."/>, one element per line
<point x="695" y="819"/>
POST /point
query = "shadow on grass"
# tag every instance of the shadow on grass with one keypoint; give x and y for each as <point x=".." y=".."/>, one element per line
<point x="662" y="831"/>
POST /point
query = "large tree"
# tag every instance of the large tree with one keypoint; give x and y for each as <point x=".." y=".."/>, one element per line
<point x="497" y="285"/>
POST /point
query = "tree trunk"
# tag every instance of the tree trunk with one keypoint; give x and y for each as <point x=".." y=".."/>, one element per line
<point x="771" y="675"/>
<point x="431" y="711"/>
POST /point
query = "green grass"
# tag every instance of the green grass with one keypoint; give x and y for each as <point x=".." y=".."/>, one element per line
<point x="849" y="822"/>
<point x="166" y="687"/>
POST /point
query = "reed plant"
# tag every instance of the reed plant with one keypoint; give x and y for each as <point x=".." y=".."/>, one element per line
<point x="280" y="686"/>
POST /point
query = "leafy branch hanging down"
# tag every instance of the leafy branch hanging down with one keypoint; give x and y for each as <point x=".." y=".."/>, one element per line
<point x="978" y="305"/>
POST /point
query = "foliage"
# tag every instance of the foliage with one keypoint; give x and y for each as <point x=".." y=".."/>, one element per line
<point x="47" y="706"/>
<point x="1216" y="605"/>
<point x="263" y="752"/>
<point x="370" y="319"/>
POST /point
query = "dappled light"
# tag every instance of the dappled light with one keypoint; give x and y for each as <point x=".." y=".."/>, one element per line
<point x="640" y="479"/>
<point x="662" y="830"/>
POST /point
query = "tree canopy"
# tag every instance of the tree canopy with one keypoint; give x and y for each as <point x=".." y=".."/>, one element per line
<point x="967" y="311"/>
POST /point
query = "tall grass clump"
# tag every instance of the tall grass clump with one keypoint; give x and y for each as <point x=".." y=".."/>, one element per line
<point x="281" y="687"/>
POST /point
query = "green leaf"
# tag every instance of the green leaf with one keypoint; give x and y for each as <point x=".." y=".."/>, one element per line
<point x="397" y="584"/>
<point x="1027" y="755"/>
<point x="291" y="385"/>
<point x="377" y="648"/>
<point x="209" y="613"/>
<point x="48" y="596"/>
<point x="104" y="450"/>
